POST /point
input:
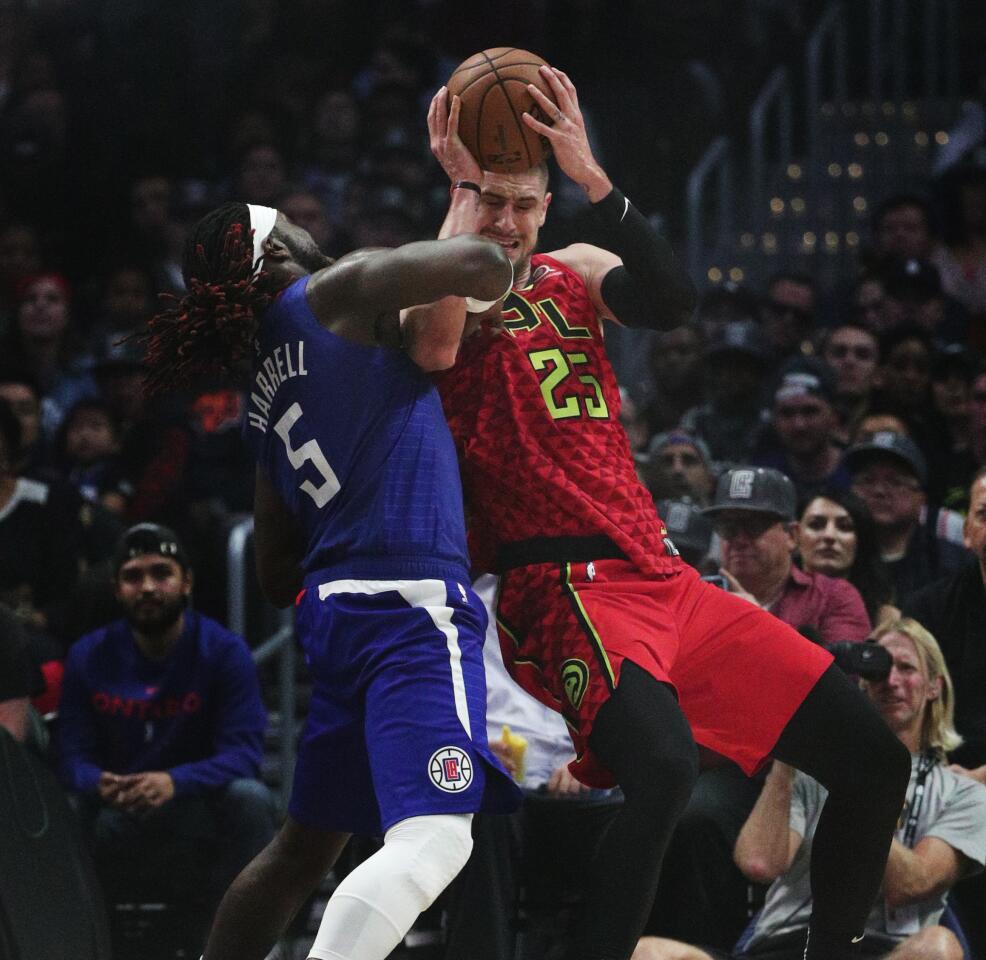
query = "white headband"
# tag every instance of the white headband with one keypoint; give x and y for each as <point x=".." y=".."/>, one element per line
<point x="262" y="223"/>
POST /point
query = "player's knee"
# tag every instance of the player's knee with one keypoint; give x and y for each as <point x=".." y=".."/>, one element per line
<point x="666" y="781"/>
<point x="433" y="849"/>
<point x="883" y="765"/>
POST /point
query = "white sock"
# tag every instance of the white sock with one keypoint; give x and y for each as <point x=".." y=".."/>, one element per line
<point x="374" y="907"/>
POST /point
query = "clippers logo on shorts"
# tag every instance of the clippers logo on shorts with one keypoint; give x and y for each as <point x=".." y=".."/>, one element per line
<point x="741" y="485"/>
<point x="575" y="680"/>
<point x="450" y="769"/>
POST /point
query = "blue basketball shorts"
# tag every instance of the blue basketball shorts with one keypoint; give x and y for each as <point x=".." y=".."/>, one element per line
<point x="397" y="724"/>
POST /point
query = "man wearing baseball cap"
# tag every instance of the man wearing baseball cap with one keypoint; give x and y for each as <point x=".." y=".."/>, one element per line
<point x="162" y="731"/>
<point x="702" y="897"/>
<point x="890" y="474"/>
<point x="805" y="421"/>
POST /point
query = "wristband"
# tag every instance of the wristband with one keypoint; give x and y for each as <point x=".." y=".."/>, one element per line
<point x="481" y="306"/>
<point x="464" y="185"/>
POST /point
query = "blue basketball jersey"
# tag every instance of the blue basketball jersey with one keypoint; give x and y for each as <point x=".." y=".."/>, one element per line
<point x="354" y="440"/>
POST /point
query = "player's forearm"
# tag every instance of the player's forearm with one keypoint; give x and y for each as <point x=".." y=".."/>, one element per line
<point x="432" y="332"/>
<point x="763" y="847"/>
<point x="652" y="290"/>
<point x="463" y="213"/>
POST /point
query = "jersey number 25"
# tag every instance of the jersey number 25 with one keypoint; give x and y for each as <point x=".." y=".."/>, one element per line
<point x="311" y="452"/>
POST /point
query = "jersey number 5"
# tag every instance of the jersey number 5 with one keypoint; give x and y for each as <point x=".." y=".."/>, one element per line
<point x="561" y="367"/>
<point x="308" y="451"/>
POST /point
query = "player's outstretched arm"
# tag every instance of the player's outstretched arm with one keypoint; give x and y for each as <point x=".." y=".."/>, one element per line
<point x="349" y="296"/>
<point x="646" y="286"/>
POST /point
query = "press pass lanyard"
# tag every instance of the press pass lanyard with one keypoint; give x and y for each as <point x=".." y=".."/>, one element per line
<point x="926" y="764"/>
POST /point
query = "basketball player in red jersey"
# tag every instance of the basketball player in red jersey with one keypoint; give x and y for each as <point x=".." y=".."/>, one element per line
<point x="598" y="617"/>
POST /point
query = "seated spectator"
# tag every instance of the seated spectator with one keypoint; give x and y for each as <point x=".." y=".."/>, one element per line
<point x="977" y="419"/>
<point x="690" y="531"/>
<point x="867" y="299"/>
<point x="674" y="382"/>
<point x="161" y="734"/>
<point x="913" y="297"/>
<point x="735" y="365"/>
<point x="954" y="610"/>
<point x="940" y="840"/>
<point x="23" y="395"/>
<point x="680" y="465"/>
<point x="633" y="422"/>
<point x="890" y="475"/>
<point x="40" y="548"/>
<point x="20" y="678"/>
<point x="788" y="315"/>
<point x="961" y="260"/>
<point x="557" y="812"/>
<point x="754" y="515"/>
<point x="903" y="226"/>
<point x="852" y="351"/>
<point x="803" y="425"/>
<point x="701" y="896"/>
<point x="89" y="454"/>
<point x="953" y="371"/>
<point x="837" y="538"/>
<point x="42" y="342"/>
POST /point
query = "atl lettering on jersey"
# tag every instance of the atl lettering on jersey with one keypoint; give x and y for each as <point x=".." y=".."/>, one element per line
<point x="534" y="409"/>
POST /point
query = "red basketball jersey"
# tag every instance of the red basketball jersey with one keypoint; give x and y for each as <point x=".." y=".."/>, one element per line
<point x="534" y="408"/>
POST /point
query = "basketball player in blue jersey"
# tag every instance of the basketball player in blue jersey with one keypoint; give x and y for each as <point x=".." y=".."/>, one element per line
<point x="359" y="515"/>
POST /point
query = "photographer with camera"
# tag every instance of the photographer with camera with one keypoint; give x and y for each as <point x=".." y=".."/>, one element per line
<point x="941" y="837"/>
<point x="702" y="897"/>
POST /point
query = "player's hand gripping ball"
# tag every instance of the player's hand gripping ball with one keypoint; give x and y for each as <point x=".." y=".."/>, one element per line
<point x="492" y="88"/>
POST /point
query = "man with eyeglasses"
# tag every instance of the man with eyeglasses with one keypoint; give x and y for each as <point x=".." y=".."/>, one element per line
<point x="702" y="896"/>
<point x="890" y="474"/>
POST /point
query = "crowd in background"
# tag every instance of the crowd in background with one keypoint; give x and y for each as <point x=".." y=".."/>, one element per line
<point x="120" y="124"/>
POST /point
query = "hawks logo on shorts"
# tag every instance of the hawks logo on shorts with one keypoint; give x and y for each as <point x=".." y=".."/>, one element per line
<point x="450" y="769"/>
<point x="575" y="681"/>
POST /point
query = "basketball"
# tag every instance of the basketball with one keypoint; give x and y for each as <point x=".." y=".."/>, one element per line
<point x="492" y="86"/>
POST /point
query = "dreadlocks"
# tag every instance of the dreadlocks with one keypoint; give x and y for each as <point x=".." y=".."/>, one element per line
<point x="212" y="327"/>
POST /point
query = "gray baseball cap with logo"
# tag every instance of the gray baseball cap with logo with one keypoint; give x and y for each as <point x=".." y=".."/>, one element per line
<point x="757" y="489"/>
<point x="889" y="444"/>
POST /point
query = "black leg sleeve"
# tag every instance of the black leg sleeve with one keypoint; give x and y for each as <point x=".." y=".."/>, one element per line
<point x="838" y="737"/>
<point x="642" y="736"/>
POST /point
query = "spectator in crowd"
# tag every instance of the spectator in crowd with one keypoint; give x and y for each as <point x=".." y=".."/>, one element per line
<point x="690" y="530"/>
<point x="43" y="343"/>
<point x="952" y="373"/>
<point x="680" y="465"/>
<point x="40" y="549"/>
<point x="735" y="364"/>
<point x="23" y="395"/>
<point x="913" y="297"/>
<point x="977" y="419"/>
<point x="88" y="451"/>
<point x="961" y="259"/>
<point x="837" y="537"/>
<point x="941" y="838"/>
<point x="804" y="424"/>
<point x="262" y="175"/>
<point x="853" y="352"/>
<point x="724" y="305"/>
<point x="902" y="227"/>
<point x="125" y="304"/>
<point x="633" y="422"/>
<point x="558" y="811"/>
<point x="675" y="375"/>
<point x="788" y="314"/>
<point x="867" y="299"/>
<point x="20" y="257"/>
<point x="161" y="733"/>
<point x="306" y="209"/>
<point x="954" y="610"/>
<point x="155" y="235"/>
<point x="19" y="677"/>
<point x="702" y="897"/>
<point x="890" y="475"/>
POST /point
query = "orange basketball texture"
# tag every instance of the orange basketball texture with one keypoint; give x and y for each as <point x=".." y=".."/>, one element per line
<point x="492" y="86"/>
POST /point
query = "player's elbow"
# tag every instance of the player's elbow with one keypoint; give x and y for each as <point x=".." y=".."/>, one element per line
<point x="432" y="359"/>
<point x="488" y="268"/>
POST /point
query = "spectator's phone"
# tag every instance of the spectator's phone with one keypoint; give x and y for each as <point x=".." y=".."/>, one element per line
<point x="717" y="580"/>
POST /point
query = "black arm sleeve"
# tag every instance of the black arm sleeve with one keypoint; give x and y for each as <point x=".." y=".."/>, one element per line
<point x="651" y="289"/>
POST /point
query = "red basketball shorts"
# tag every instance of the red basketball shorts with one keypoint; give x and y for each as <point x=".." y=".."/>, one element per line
<point x="739" y="672"/>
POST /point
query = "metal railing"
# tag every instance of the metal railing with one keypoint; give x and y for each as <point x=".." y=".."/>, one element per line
<point x="716" y="160"/>
<point x="829" y="36"/>
<point x="775" y="93"/>
<point x="280" y="644"/>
